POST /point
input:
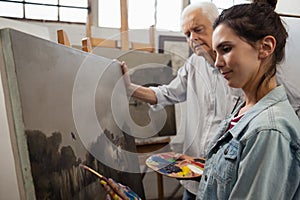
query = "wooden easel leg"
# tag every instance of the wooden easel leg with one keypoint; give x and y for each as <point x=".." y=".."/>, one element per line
<point x="160" y="186"/>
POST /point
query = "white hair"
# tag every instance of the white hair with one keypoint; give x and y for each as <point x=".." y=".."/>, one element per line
<point x="208" y="9"/>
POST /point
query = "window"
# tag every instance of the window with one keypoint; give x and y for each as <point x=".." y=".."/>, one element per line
<point x="10" y="9"/>
<point x="109" y="13"/>
<point x="221" y="4"/>
<point x="141" y="14"/>
<point x="54" y="10"/>
<point x="164" y="14"/>
<point x="168" y="14"/>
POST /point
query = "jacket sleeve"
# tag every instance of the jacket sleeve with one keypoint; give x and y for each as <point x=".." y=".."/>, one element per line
<point x="265" y="170"/>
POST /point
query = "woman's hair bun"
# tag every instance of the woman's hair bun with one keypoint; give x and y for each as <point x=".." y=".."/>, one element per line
<point x="272" y="3"/>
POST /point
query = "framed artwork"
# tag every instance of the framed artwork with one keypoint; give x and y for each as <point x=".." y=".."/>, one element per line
<point x="177" y="47"/>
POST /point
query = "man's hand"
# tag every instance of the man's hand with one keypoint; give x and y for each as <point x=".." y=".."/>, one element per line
<point x="143" y="93"/>
<point x="130" y="87"/>
<point x="125" y="74"/>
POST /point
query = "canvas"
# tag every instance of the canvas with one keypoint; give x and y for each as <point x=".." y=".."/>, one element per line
<point x="64" y="105"/>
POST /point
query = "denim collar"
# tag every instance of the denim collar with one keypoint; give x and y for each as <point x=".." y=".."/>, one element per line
<point x="273" y="97"/>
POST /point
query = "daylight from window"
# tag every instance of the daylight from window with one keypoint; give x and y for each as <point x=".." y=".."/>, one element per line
<point x="164" y="14"/>
<point x="48" y="10"/>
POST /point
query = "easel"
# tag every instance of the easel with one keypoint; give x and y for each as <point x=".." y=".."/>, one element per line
<point x="62" y="38"/>
<point x="89" y="42"/>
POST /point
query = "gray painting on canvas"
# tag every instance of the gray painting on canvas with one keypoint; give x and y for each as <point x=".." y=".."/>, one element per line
<point x="64" y="105"/>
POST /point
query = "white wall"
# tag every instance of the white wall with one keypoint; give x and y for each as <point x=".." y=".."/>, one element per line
<point x="30" y="28"/>
<point x="288" y="7"/>
<point x="8" y="178"/>
<point x="289" y="71"/>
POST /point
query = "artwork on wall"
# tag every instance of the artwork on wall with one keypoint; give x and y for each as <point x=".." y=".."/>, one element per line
<point x="177" y="47"/>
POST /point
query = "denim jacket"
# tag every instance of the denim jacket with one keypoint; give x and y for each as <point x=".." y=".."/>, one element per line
<point x="259" y="158"/>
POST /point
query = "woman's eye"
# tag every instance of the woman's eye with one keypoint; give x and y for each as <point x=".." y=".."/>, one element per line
<point x="226" y="49"/>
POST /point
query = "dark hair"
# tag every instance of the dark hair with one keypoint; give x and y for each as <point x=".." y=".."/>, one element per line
<point x="270" y="2"/>
<point x="253" y="22"/>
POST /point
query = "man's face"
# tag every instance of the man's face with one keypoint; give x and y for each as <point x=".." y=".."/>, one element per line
<point x="198" y="31"/>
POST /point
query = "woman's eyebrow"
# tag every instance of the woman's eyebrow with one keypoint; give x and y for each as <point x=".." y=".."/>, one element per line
<point x="219" y="45"/>
<point x="222" y="44"/>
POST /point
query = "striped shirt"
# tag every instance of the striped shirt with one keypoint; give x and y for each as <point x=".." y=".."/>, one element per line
<point x="234" y="120"/>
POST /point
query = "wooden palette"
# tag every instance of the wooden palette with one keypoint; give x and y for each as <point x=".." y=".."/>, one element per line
<point x="176" y="165"/>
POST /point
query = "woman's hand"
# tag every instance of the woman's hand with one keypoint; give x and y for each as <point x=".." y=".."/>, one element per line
<point x="117" y="191"/>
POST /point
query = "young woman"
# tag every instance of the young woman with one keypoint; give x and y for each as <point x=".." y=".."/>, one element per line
<point x="256" y="154"/>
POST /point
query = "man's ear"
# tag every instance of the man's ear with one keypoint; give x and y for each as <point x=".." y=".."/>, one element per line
<point x="267" y="46"/>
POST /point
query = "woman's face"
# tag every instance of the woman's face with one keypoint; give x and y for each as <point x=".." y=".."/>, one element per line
<point x="236" y="59"/>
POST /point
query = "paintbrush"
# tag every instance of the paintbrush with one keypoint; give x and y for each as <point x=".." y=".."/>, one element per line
<point x="93" y="171"/>
<point x="103" y="182"/>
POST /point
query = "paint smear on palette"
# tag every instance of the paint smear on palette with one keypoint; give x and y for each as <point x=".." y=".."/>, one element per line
<point x="176" y="165"/>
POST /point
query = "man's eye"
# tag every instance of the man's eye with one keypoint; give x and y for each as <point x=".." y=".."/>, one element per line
<point x="198" y="30"/>
<point x="187" y="35"/>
